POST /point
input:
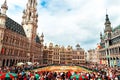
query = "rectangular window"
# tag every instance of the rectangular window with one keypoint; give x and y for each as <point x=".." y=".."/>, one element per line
<point x="1" y="34"/>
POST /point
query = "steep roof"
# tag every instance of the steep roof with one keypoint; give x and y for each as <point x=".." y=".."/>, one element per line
<point x="77" y="45"/>
<point x="118" y="27"/>
<point x="14" y="26"/>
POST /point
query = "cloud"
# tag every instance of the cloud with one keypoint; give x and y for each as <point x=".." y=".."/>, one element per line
<point x="68" y="22"/>
<point x="74" y="24"/>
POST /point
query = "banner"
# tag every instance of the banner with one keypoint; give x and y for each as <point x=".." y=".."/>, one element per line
<point x="106" y="62"/>
<point x="100" y="61"/>
<point x="115" y="62"/>
<point x="111" y="63"/>
<point x="118" y="62"/>
<point x="2" y="51"/>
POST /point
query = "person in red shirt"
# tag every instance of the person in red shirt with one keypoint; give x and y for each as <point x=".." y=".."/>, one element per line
<point x="80" y="78"/>
<point x="69" y="74"/>
<point x="0" y="70"/>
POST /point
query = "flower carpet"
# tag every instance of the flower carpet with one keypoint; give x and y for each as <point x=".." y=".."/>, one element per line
<point x="63" y="69"/>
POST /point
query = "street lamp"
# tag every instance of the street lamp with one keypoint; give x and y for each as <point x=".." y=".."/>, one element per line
<point x="28" y="55"/>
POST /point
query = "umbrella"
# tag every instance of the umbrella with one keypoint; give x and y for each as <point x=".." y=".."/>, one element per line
<point x="75" y="76"/>
<point x="20" y="63"/>
<point x="82" y="77"/>
<point x="8" y="75"/>
<point x="23" y="73"/>
<point x="29" y="63"/>
<point x="36" y="63"/>
<point x="37" y="76"/>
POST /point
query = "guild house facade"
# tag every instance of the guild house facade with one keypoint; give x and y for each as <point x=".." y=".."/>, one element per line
<point x="55" y="54"/>
<point x="19" y="42"/>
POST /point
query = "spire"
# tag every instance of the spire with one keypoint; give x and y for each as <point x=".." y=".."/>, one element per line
<point x="3" y="15"/>
<point x="107" y="24"/>
<point x="4" y="7"/>
<point x="78" y="47"/>
<point x="107" y="20"/>
<point x="42" y="35"/>
<point x="101" y="35"/>
<point x="42" y="38"/>
<point x="30" y="14"/>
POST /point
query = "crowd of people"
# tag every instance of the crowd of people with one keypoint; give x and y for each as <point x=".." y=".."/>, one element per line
<point x="26" y="72"/>
<point x="67" y="76"/>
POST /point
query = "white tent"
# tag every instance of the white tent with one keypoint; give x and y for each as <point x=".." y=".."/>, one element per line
<point x="36" y="63"/>
<point x="29" y="63"/>
<point x="20" y="63"/>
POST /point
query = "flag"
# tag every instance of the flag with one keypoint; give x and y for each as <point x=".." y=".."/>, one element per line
<point x="115" y="63"/>
<point x="118" y="62"/>
<point x="99" y="46"/>
<point x="2" y="50"/>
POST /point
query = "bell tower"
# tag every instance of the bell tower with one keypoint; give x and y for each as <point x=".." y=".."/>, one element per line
<point x="29" y="23"/>
<point x="30" y="19"/>
<point x="107" y="31"/>
<point x="3" y="11"/>
<point x="3" y="16"/>
<point x="107" y="25"/>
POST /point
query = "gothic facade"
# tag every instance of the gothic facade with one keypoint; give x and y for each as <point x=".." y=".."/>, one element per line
<point x="110" y="45"/>
<point x="93" y="56"/>
<point x="19" y="42"/>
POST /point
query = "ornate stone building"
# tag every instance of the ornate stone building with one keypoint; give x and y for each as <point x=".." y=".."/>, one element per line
<point x="78" y="55"/>
<point x="51" y="54"/>
<point x="66" y="55"/>
<point x="93" y="56"/>
<point x="20" y="43"/>
<point x="48" y="52"/>
<point x="57" y="55"/>
<point x="61" y="55"/>
<point x="110" y="45"/>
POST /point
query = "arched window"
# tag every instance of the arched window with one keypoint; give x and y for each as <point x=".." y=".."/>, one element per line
<point x="29" y="15"/>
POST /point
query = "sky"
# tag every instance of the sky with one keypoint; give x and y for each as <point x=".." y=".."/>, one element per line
<point x="70" y="22"/>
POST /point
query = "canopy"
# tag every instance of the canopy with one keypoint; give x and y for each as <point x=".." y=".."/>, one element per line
<point x="29" y="63"/>
<point x="20" y="63"/>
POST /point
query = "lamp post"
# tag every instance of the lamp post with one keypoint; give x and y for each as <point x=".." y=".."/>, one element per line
<point x="107" y="57"/>
<point x="28" y="55"/>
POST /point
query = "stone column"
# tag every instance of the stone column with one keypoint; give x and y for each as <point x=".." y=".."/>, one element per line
<point x="118" y="50"/>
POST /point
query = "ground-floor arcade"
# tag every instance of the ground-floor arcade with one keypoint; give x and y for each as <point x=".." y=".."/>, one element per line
<point x="8" y="61"/>
<point x="110" y="61"/>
